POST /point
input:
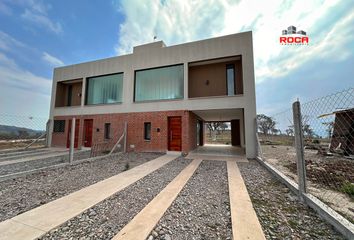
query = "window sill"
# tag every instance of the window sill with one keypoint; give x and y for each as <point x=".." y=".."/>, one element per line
<point x="224" y="96"/>
<point x="162" y="100"/>
<point x="76" y="106"/>
<point x="102" y="104"/>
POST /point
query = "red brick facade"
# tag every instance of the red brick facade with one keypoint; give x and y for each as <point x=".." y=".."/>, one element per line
<point x="135" y="121"/>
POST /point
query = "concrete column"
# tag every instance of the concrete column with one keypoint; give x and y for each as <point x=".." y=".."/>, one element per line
<point x="83" y="92"/>
<point x="299" y="142"/>
<point x="250" y="132"/>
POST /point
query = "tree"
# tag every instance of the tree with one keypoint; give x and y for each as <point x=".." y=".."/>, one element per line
<point x="265" y="123"/>
<point x="23" y="134"/>
<point x="215" y="127"/>
<point x="329" y="129"/>
<point x="290" y="131"/>
<point x="306" y="128"/>
<point x="308" y="131"/>
<point x="275" y="131"/>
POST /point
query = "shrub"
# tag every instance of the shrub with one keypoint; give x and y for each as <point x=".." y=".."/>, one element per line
<point x="348" y="188"/>
<point x="316" y="141"/>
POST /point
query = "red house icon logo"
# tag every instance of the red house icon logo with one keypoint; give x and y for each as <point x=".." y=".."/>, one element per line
<point x="292" y="37"/>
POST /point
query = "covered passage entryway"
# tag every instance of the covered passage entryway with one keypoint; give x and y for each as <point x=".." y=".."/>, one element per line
<point x="223" y="132"/>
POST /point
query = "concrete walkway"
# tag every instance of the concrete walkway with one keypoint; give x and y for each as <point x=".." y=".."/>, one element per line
<point x="219" y="150"/>
<point x="33" y="157"/>
<point x="38" y="221"/>
<point x="245" y="224"/>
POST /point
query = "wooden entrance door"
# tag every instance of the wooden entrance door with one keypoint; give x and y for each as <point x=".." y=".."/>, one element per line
<point x="76" y="139"/>
<point x="87" y="139"/>
<point x="175" y="134"/>
<point x="235" y="132"/>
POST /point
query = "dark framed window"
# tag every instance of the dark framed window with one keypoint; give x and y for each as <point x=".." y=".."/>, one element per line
<point x="147" y="131"/>
<point x="230" y="79"/>
<point x="104" y="89"/>
<point x="70" y="94"/>
<point x="59" y="126"/>
<point x="162" y="83"/>
<point x="107" y="131"/>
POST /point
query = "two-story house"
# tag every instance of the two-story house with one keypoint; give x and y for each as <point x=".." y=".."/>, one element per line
<point x="164" y="94"/>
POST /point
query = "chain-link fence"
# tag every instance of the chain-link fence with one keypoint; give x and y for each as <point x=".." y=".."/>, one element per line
<point x="327" y="146"/>
<point x="20" y="131"/>
<point x="113" y="143"/>
<point x="276" y="137"/>
<point x="328" y="129"/>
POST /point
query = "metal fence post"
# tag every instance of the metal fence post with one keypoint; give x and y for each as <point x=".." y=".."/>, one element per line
<point x="72" y="141"/>
<point x="47" y="130"/>
<point x="125" y="137"/>
<point x="299" y="142"/>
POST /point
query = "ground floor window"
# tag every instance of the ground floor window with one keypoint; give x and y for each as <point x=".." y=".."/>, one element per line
<point x="147" y="131"/>
<point x="59" y="126"/>
<point x="107" y="131"/>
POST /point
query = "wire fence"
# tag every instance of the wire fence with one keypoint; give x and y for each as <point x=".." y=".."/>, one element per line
<point x="110" y="144"/>
<point x="327" y="127"/>
<point x="19" y="131"/>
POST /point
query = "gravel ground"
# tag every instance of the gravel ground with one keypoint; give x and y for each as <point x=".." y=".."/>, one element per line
<point x="40" y="163"/>
<point x="279" y="212"/>
<point x="201" y="210"/>
<point x="107" y="218"/>
<point x="25" y="193"/>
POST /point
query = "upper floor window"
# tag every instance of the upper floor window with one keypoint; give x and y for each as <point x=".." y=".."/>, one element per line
<point x="159" y="83"/>
<point x="230" y="76"/>
<point x="104" y="89"/>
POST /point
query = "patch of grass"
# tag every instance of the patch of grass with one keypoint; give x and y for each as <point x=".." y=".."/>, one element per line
<point x="348" y="188"/>
<point x="293" y="224"/>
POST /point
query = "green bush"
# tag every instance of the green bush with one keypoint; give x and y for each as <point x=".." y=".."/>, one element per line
<point x="316" y="141"/>
<point x="348" y="188"/>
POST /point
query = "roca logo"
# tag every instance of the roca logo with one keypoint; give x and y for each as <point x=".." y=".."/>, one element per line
<point x="292" y="37"/>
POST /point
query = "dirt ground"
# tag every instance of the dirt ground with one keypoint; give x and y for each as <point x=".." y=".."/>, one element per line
<point x="330" y="178"/>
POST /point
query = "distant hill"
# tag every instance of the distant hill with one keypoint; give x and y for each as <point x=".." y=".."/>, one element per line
<point x="9" y="132"/>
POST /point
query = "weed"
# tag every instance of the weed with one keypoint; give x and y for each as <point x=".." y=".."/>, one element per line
<point x="126" y="166"/>
<point x="348" y="188"/>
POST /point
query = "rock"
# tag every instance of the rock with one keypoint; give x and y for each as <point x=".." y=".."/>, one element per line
<point x="167" y="237"/>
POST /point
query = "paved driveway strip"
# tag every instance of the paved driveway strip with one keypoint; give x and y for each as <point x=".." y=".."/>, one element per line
<point x="245" y="224"/>
<point x="144" y="222"/>
<point x="38" y="221"/>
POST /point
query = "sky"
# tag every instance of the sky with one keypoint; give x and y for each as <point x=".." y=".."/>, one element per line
<point x="37" y="36"/>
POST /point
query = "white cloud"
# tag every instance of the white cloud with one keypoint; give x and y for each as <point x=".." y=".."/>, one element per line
<point x="21" y="90"/>
<point x="13" y="75"/>
<point x="53" y="61"/>
<point x="7" y="43"/>
<point x="42" y="20"/>
<point x="178" y="21"/>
